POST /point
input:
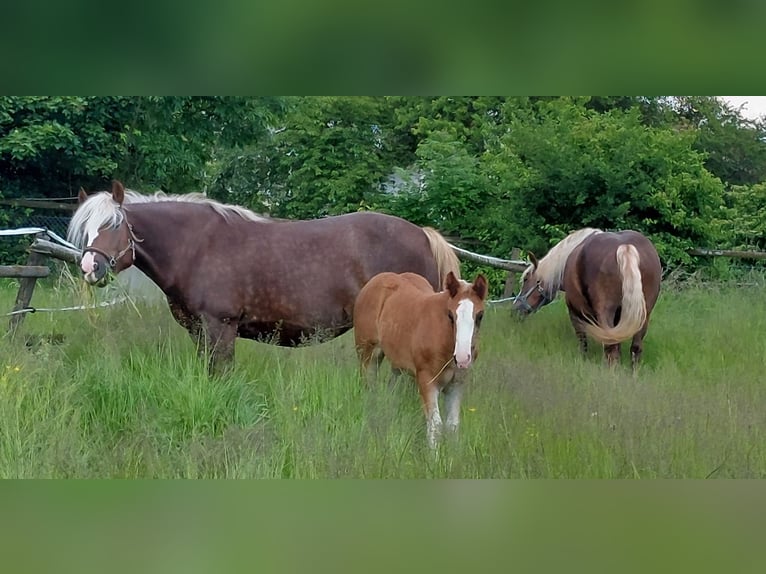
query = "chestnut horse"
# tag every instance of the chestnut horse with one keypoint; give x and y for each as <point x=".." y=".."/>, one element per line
<point x="433" y="336"/>
<point x="229" y="273"/>
<point x="611" y="282"/>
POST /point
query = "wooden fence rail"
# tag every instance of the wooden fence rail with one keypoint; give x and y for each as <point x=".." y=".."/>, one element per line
<point x="24" y="271"/>
<point x="42" y="247"/>
<point x="517" y="265"/>
<point x="508" y="265"/>
<point x="45" y="247"/>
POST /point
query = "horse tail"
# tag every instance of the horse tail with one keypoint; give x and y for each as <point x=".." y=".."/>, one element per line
<point x="445" y="257"/>
<point x="633" y="312"/>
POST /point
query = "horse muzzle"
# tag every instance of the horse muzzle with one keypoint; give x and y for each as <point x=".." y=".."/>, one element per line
<point x="93" y="270"/>
<point x="521" y="307"/>
<point x="463" y="360"/>
<point x="524" y="308"/>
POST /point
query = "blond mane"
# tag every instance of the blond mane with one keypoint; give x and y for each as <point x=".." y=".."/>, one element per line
<point x="101" y="210"/>
<point x="550" y="269"/>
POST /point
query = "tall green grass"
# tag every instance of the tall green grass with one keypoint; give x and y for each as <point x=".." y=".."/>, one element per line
<point x="119" y="392"/>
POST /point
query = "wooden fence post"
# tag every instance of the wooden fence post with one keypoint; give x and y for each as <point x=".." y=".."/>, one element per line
<point x="510" y="278"/>
<point x="26" y="288"/>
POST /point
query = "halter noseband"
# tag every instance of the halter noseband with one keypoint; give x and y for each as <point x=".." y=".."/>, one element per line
<point x="522" y="299"/>
<point x="113" y="259"/>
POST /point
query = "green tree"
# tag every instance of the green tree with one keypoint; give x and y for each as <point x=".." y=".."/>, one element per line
<point x="734" y="147"/>
<point x="546" y="166"/>
<point x="571" y="167"/>
<point x="50" y="146"/>
<point x="744" y="225"/>
<point x="445" y="188"/>
<point x="329" y="155"/>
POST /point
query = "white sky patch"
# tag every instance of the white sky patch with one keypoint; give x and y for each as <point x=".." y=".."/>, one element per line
<point x="754" y="106"/>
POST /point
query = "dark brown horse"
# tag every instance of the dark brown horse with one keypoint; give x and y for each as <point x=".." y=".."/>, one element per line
<point x="610" y="280"/>
<point x="433" y="336"/>
<point x="229" y="273"/>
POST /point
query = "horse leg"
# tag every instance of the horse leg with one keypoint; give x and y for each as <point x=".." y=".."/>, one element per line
<point x="429" y="395"/>
<point x="612" y="354"/>
<point x="188" y="321"/>
<point x="219" y="344"/>
<point x="579" y="329"/>
<point x="453" y="395"/>
<point x="637" y="346"/>
<point x="197" y="329"/>
<point x="370" y="357"/>
<point x="395" y="377"/>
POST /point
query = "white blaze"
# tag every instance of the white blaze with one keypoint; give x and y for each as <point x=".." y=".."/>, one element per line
<point x="87" y="263"/>
<point x="463" y="333"/>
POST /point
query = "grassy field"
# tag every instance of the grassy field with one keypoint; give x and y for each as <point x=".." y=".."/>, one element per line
<point x="118" y="392"/>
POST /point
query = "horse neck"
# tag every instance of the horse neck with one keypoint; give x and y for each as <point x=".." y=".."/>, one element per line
<point x="159" y="241"/>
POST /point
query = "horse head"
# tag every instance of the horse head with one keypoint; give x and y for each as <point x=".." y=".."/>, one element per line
<point x="531" y="295"/>
<point x="110" y="247"/>
<point x="465" y="309"/>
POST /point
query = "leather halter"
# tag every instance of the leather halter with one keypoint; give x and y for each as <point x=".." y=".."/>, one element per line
<point x="524" y="304"/>
<point x="113" y="259"/>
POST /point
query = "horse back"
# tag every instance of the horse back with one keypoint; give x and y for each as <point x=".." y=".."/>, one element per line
<point x="392" y="312"/>
<point x="592" y="271"/>
<point x="396" y="292"/>
<point x="400" y="246"/>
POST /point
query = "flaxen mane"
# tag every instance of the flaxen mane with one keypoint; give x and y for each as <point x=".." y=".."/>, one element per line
<point x="445" y="257"/>
<point x="550" y="269"/>
<point x="101" y="210"/>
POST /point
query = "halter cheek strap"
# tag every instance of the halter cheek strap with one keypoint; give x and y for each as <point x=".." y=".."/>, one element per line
<point x="522" y="299"/>
<point x="113" y="259"/>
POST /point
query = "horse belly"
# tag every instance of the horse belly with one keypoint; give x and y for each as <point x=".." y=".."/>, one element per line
<point x="286" y="334"/>
<point x="398" y="354"/>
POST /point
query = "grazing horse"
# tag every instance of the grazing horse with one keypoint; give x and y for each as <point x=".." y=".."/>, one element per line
<point x="229" y="273"/>
<point x="431" y="335"/>
<point x="611" y="282"/>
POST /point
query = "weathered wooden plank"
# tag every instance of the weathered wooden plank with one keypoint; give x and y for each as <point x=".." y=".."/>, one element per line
<point x="491" y="261"/>
<point x="24" y="271"/>
<point x="55" y="250"/>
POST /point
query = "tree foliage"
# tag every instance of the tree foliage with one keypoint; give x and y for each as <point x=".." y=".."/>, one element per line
<point x="493" y="172"/>
<point x="51" y="145"/>
<point x="327" y="156"/>
<point x="572" y="167"/>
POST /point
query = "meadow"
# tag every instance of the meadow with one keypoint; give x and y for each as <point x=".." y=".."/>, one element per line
<point x="119" y="392"/>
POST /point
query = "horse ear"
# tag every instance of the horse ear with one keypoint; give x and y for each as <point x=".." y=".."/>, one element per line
<point x="480" y="286"/>
<point x="533" y="259"/>
<point x="82" y="196"/>
<point x="451" y="284"/>
<point x="118" y="192"/>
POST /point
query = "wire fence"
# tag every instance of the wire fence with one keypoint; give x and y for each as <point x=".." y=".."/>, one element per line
<point x="56" y="223"/>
